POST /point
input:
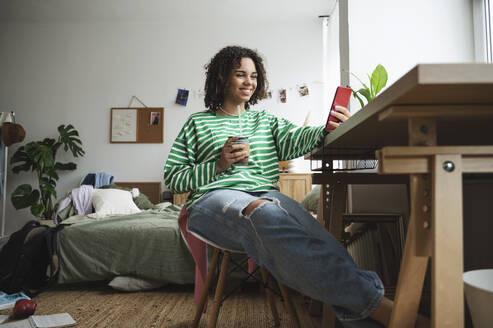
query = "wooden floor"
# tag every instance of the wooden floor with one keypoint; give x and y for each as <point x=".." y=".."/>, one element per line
<point x="96" y="305"/>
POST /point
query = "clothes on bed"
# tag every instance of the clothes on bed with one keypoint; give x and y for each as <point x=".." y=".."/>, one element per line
<point x="66" y="211"/>
<point x="98" y="180"/>
<point x="192" y="162"/>
<point x="81" y="200"/>
<point x="81" y="197"/>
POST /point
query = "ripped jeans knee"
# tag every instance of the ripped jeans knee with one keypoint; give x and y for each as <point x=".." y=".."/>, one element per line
<point x="247" y="211"/>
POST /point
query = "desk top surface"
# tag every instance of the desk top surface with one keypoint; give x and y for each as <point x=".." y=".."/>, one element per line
<point x="431" y="87"/>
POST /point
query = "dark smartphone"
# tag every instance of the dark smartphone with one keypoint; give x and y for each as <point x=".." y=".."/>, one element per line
<point x="341" y="98"/>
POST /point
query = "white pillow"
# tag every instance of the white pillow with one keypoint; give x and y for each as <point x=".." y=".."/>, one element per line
<point x="131" y="284"/>
<point x="112" y="202"/>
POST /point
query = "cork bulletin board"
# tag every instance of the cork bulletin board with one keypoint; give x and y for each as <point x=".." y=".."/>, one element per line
<point x="137" y="125"/>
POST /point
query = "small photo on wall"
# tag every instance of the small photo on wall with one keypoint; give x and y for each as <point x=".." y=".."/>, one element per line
<point x="303" y="91"/>
<point x="282" y="95"/>
<point x="155" y="118"/>
<point x="269" y="94"/>
<point x="182" y="97"/>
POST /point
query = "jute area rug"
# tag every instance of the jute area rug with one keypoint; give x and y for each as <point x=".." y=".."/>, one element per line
<point x="97" y="305"/>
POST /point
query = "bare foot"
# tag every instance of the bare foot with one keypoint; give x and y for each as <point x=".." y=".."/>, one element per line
<point x="383" y="312"/>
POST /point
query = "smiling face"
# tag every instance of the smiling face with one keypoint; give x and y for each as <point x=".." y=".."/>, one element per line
<point x="242" y="83"/>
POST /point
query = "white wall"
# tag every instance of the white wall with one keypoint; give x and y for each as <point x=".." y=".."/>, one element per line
<point x="71" y="62"/>
<point x="401" y="34"/>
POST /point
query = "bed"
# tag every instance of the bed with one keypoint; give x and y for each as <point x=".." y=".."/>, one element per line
<point x="146" y="245"/>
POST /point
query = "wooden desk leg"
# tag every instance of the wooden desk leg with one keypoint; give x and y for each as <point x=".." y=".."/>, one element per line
<point x="413" y="267"/>
<point x="323" y="208"/>
<point x="337" y="209"/>
<point x="447" y="259"/>
<point x="323" y="215"/>
<point x="337" y="195"/>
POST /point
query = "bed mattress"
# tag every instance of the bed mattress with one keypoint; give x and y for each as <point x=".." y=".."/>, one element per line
<point x="146" y="245"/>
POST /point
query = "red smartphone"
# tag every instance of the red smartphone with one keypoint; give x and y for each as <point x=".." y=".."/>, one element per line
<point x="341" y="98"/>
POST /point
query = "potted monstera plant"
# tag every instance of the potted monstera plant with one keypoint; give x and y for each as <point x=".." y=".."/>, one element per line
<point x="40" y="157"/>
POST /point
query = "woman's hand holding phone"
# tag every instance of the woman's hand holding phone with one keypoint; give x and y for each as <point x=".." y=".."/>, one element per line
<point x="338" y="110"/>
<point x="340" y="115"/>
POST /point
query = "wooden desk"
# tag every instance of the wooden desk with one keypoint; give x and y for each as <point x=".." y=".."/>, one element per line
<point x="433" y="124"/>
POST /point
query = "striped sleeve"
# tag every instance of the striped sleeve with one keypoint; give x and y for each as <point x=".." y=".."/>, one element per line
<point x="182" y="173"/>
<point x="294" y="141"/>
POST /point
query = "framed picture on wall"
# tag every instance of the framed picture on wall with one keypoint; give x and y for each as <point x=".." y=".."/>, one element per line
<point x="137" y="125"/>
<point x="182" y="97"/>
<point x="155" y="118"/>
<point x="123" y="125"/>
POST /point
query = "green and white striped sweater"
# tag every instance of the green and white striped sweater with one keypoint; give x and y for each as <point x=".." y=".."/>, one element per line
<point x="192" y="161"/>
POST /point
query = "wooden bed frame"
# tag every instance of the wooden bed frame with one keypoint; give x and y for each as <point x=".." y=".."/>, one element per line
<point x="150" y="189"/>
<point x="153" y="191"/>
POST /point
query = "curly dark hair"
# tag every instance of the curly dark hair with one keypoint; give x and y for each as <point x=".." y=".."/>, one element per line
<point x="218" y="71"/>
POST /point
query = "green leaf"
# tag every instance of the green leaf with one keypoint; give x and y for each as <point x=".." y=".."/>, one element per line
<point x="52" y="173"/>
<point x="378" y="79"/>
<point x="21" y="161"/>
<point x="355" y="95"/>
<point x="40" y="154"/>
<point x="68" y="137"/>
<point x="45" y="156"/>
<point x="365" y="93"/>
<point x="65" y="166"/>
<point x="24" y="196"/>
<point x="360" y="81"/>
<point x="37" y="210"/>
<point x="48" y="142"/>
<point x="47" y="187"/>
<point x="372" y="95"/>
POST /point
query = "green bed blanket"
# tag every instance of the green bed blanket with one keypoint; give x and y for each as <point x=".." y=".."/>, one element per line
<point x="146" y="245"/>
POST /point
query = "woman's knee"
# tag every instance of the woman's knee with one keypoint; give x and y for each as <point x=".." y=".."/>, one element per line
<point x="253" y="205"/>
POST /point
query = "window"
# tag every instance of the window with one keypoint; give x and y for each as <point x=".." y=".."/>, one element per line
<point x="489" y="39"/>
<point x="483" y="17"/>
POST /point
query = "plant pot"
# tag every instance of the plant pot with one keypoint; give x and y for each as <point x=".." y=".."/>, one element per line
<point x="478" y="287"/>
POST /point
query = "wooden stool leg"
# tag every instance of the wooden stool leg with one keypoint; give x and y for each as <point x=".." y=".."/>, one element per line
<point x="329" y="319"/>
<point x="216" y="304"/>
<point x="270" y="299"/>
<point x="289" y="304"/>
<point x="205" y="291"/>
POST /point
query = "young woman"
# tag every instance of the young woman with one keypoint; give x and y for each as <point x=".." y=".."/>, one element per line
<point x="237" y="205"/>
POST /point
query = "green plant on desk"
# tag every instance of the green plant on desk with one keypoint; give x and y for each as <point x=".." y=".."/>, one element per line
<point x="378" y="80"/>
<point x="40" y="157"/>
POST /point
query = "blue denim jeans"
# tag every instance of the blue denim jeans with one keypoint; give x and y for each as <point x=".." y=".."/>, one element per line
<point x="299" y="252"/>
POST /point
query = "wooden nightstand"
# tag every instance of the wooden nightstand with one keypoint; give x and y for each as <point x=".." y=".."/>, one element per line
<point x="295" y="185"/>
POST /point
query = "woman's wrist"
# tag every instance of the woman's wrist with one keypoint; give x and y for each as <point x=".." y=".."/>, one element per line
<point x="220" y="167"/>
